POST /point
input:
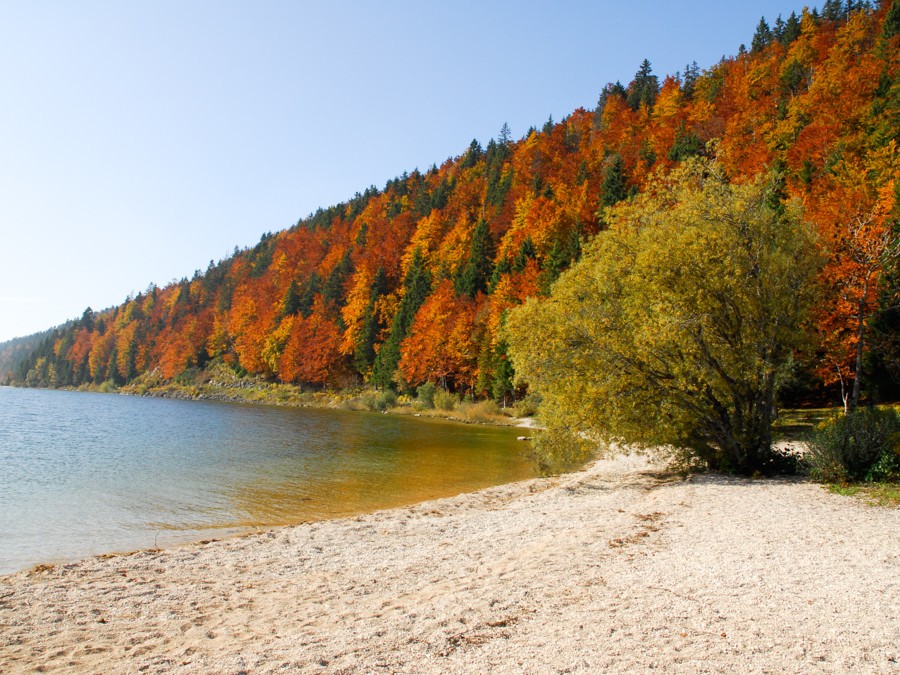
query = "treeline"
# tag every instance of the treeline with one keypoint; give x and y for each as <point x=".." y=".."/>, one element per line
<point x="412" y="283"/>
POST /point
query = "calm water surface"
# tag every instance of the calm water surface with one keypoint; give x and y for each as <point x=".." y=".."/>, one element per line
<point x="82" y="474"/>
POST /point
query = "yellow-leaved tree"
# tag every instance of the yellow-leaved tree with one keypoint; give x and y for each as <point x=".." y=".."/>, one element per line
<point x="678" y="324"/>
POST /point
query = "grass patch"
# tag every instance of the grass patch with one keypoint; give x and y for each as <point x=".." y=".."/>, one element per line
<point x="880" y="494"/>
<point x="798" y="424"/>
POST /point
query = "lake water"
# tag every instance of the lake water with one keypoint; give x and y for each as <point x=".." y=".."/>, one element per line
<point x="83" y="474"/>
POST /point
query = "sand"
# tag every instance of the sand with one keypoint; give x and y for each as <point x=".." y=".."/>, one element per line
<point x="615" y="568"/>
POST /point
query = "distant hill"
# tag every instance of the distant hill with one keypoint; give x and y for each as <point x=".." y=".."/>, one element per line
<point x="409" y="283"/>
<point x="16" y="355"/>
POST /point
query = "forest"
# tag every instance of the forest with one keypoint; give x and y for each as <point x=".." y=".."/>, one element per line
<point x="413" y="283"/>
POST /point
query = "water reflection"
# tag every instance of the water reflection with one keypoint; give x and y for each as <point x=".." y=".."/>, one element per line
<point x="82" y="474"/>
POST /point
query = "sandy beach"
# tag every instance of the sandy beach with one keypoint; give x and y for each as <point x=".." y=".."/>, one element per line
<point x="615" y="568"/>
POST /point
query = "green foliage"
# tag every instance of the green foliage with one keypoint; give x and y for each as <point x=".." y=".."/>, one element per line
<point x="418" y="285"/>
<point x="334" y="291"/>
<point x="378" y="401"/>
<point x="308" y="294"/>
<point x="558" y="450"/>
<point x="614" y="187"/>
<point x="791" y="30"/>
<point x="685" y="145"/>
<point x="473" y="154"/>
<point x="892" y="21"/>
<point x="364" y="352"/>
<point x="644" y="89"/>
<point x="260" y="256"/>
<point x="862" y="445"/>
<point x="444" y="400"/>
<point x="476" y="273"/>
<point x="675" y="326"/>
<point x="425" y="395"/>
<point x="762" y="38"/>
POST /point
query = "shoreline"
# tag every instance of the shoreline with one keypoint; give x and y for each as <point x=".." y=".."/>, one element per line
<point x="616" y="567"/>
<point x="253" y="392"/>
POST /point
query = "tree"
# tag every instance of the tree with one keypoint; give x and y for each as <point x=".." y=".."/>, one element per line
<point x="762" y="37"/>
<point x="476" y="273"/>
<point x="644" y="89"/>
<point x="861" y="253"/>
<point x="614" y="187"/>
<point x="417" y="285"/>
<point x="676" y="326"/>
<point x="689" y="79"/>
<point x="892" y="21"/>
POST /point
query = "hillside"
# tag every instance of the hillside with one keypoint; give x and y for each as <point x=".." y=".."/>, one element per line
<point x="410" y="283"/>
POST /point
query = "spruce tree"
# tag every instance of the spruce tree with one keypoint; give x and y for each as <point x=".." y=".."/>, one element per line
<point x="364" y="352"/>
<point x="791" y="29"/>
<point x="644" y="88"/>
<point x="476" y="273"/>
<point x="892" y="21"/>
<point x="417" y="284"/>
<point x="762" y="38"/>
<point x="614" y="187"/>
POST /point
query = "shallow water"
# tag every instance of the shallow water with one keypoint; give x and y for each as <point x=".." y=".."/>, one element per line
<point x="83" y="474"/>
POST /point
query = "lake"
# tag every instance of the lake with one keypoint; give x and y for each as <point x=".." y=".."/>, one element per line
<point x="83" y="473"/>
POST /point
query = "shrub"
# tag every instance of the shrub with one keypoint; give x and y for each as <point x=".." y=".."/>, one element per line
<point x="425" y="395"/>
<point x="859" y="446"/>
<point x="371" y="400"/>
<point x="444" y="400"/>
<point x="384" y="400"/>
<point x="483" y="412"/>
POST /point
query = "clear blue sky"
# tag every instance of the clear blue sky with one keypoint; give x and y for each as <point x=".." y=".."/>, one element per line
<point x="140" y="140"/>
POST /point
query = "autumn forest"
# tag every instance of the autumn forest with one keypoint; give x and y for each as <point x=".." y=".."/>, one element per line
<point x="413" y="283"/>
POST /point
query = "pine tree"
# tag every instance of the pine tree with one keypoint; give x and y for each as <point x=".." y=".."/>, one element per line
<point x="364" y="353"/>
<point x="689" y="80"/>
<point x="526" y="251"/>
<point x="333" y="291"/>
<point x="548" y="125"/>
<point x="892" y="21"/>
<point x="476" y="273"/>
<point x="417" y="284"/>
<point x="644" y="88"/>
<point x="791" y="30"/>
<point x="762" y="38"/>
<point x="614" y="187"/>
<point x="473" y="154"/>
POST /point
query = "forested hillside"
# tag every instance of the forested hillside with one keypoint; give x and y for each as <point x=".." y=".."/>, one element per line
<point x="411" y="283"/>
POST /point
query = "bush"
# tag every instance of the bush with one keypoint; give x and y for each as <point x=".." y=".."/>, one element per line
<point x="444" y="400"/>
<point x="859" y="446"/>
<point x="483" y="412"/>
<point x="377" y="401"/>
<point x="425" y="395"/>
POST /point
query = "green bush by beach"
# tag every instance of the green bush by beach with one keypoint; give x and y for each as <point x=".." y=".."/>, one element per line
<point x="861" y="446"/>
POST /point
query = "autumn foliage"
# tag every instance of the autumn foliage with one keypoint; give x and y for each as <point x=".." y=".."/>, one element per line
<point x="816" y="100"/>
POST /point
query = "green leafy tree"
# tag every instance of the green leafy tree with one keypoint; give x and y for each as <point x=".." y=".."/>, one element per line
<point x="678" y="324"/>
